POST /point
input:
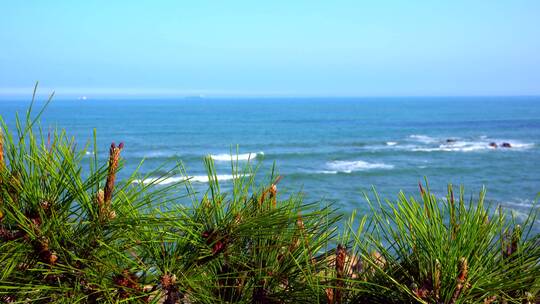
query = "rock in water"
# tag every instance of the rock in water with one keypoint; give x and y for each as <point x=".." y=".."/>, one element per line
<point x="506" y="145"/>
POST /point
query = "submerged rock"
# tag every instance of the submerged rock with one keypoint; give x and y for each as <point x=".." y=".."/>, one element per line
<point x="493" y="145"/>
<point x="451" y="140"/>
<point x="506" y="145"/>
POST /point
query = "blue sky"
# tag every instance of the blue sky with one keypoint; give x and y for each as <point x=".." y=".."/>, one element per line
<point x="270" y="48"/>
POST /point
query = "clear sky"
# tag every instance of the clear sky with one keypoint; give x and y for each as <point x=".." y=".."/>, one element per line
<point x="271" y="48"/>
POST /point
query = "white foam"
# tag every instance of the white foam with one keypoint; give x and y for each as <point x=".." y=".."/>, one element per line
<point x="178" y="179"/>
<point x="243" y="157"/>
<point x="345" y="166"/>
<point x="456" y="147"/>
<point x="518" y="145"/>
<point x="327" y="172"/>
<point x="158" y="154"/>
<point x="525" y="203"/>
<point x="423" y="138"/>
<point x="515" y="144"/>
<point x="204" y="178"/>
<point x="391" y="143"/>
<point x="473" y="146"/>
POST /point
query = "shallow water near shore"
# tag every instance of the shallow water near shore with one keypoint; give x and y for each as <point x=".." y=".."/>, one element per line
<point x="328" y="148"/>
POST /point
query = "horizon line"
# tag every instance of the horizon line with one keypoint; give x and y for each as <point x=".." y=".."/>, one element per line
<point x="43" y="97"/>
<point x="130" y="93"/>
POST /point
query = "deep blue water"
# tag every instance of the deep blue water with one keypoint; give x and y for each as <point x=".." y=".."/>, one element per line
<point x="332" y="149"/>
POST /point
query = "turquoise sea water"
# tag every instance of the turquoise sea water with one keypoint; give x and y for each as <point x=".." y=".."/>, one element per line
<point x="332" y="149"/>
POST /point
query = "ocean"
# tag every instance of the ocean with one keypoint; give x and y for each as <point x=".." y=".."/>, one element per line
<point x="332" y="150"/>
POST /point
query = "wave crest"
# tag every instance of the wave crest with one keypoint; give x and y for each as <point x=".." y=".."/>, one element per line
<point x="471" y="146"/>
<point x="179" y="179"/>
<point x="242" y="157"/>
<point x="422" y="138"/>
<point x="424" y="143"/>
<point x="345" y="166"/>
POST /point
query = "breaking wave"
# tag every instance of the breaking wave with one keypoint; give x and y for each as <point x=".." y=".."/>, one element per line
<point x="423" y="138"/>
<point x="472" y="146"/>
<point x="424" y="143"/>
<point x="179" y="179"/>
<point x="243" y="157"/>
<point x="345" y="166"/>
